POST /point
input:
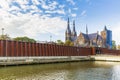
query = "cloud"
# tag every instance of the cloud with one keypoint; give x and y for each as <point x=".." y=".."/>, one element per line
<point x="71" y="2"/>
<point x="33" y="18"/>
<point x="73" y="15"/>
<point x="31" y="25"/>
<point x="83" y="13"/>
<point x="116" y="32"/>
<point x="89" y="2"/>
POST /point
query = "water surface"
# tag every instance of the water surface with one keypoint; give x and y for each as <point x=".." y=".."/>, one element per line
<point x="63" y="71"/>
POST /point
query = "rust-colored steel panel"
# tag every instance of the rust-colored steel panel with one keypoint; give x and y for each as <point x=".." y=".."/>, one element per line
<point x="33" y="50"/>
<point x="37" y="49"/>
<point x="48" y="50"/>
<point x="19" y="49"/>
<point x="63" y="50"/>
<point x="51" y="48"/>
<point x="25" y="43"/>
<point x="58" y="50"/>
<point x="43" y="53"/>
<point x="1" y="48"/>
<point x="7" y="48"/>
<point x="40" y="49"/>
<point x="4" y="48"/>
<point x="54" y="51"/>
<point x="29" y="48"/>
<point x="12" y="48"/>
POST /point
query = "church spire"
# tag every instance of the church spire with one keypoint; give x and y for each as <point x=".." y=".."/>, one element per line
<point x="68" y="27"/>
<point x="68" y="31"/>
<point x="74" y="26"/>
<point x="105" y="28"/>
<point x="86" y="29"/>
<point x="74" y="34"/>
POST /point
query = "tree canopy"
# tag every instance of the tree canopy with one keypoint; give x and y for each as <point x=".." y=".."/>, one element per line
<point x="113" y="44"/>
<point x="59" y="42"/>
<point x="5" y="37"/>
<point x="69" y="43"/>
<point x="25" y="39"/>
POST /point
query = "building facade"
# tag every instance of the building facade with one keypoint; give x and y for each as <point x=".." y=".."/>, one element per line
<point x="89" y="40"/>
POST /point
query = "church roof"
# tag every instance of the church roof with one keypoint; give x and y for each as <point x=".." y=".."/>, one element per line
<point x="85" y="36"/>
<point x="91" y="36"/>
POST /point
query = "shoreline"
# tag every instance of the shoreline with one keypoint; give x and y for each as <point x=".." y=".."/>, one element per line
<point x="15" y="61"/>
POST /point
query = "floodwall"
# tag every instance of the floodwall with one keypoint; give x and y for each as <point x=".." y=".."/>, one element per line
<point x="22" y="49"/>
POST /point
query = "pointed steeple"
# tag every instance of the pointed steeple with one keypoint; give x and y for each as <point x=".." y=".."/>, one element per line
<point x="68" y="27"/>
<point x="74" y="34"/>
<point x="74" y="26"/>
<point x="86" y="29"/>
<point x="68" y="31"/>
<point x="105" y="28"/>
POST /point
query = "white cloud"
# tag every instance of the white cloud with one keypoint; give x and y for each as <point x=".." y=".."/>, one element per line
<point x="83" y="13"/>
<point x="30" y="25"/>
<point x="73" y="15"/>
<point x="71" y="2"/>
<point x="75" y="8"/>
<point x="116" y="32"/>
<point x="27" y="24"/>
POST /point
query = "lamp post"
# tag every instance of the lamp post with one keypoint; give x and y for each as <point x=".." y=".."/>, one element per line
<point x="50" y="38"/>
<point x="2" y="31"/>
<point x="2" y="36"/>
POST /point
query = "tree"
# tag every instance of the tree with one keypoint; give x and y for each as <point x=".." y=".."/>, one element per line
<point x="25" y="39"/>
<point x="118" y="47"/>
<point x="5" y="37"/>
<point x="59" y="42"/>
<point x="69" y="43"/>
<point x="113" y="44"/>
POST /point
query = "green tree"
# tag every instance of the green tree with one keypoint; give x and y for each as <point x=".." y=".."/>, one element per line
<point x="5" y="37"/>
<point x="113" y="44"/>
<point x="25" y="39"/>
<point x="59" y="42"/>
<point x="69" y="43"/>
<point x="118" y="47"/>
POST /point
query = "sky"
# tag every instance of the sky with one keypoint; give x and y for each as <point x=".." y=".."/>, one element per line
<point x="47" y="19"/>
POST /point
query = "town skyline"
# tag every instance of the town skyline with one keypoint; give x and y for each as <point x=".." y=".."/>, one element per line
<point x="47" y="19"/>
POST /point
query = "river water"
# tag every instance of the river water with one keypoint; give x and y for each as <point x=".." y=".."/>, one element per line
<point x="63" y="71"/>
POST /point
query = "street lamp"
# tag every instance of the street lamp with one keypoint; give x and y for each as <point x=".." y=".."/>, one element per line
<point x="2" y="31"/>
<point x="50" y="38"/>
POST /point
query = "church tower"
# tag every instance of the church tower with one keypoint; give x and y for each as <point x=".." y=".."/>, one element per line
<point x="68" y="32"/>
<point x="104" y="33"/>
<point x="73" y="34"/>
<point x="104" y="36"/>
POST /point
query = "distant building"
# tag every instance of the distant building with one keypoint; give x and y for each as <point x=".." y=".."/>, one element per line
<point x="87" y="40"/>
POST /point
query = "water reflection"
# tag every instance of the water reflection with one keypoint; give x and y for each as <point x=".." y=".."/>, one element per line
<point x="64" y="71"/>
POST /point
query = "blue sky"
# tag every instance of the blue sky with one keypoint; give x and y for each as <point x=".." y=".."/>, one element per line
<point x="40" y="19"/>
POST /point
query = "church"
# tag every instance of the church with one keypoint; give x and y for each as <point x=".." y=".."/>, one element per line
<point x="89" y="40"/>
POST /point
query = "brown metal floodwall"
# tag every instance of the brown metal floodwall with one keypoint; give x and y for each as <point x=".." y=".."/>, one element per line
<point x="108" y="51"/>
<point x="19" y="49"/>
<point x="10" y="48"/>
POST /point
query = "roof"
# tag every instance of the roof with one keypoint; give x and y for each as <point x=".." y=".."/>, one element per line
<point x="91" y="36"/>
<point x="85" y="36"/>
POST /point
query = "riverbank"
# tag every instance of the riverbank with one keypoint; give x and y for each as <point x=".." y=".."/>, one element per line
<point x="12" y="61"/>
<point x="113" y="58"/>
